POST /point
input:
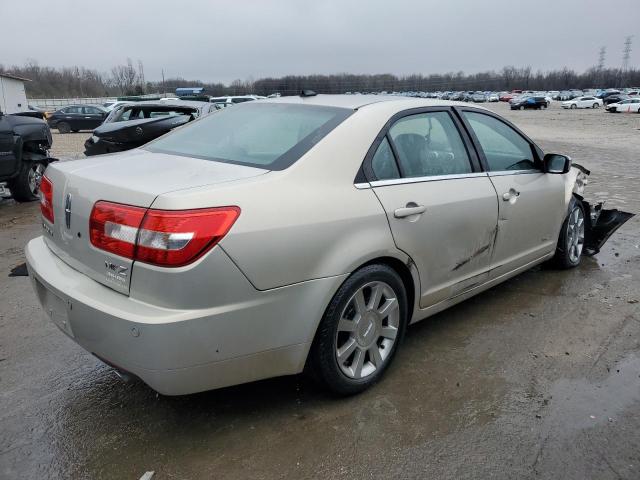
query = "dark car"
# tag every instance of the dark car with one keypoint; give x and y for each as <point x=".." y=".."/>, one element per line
<point x="529" y="102"/>
<point x="24" y="154"/>
<point x="134" y="124"/>
<point x="74" y="118"/>
<point x="614" y="98"/>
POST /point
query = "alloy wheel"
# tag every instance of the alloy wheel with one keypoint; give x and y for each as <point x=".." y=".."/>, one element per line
<point x="35" y="177"/>
<point x="367" y="330"/>
<point x="575" y="234"/>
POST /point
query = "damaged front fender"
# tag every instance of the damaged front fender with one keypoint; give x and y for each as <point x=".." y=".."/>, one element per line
<point x="600" y="224"/>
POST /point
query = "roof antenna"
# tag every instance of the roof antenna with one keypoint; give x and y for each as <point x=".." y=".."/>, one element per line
<point x="307" y="93"/>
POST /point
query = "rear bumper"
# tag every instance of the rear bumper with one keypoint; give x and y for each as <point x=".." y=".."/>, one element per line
<point x="178" y="352"/>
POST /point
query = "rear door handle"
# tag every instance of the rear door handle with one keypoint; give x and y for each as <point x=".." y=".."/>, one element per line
<point x="512" y="193"/>
<point x="409" y="210"/>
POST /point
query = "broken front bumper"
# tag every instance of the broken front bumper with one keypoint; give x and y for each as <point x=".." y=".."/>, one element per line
<point x="600" y="224"/>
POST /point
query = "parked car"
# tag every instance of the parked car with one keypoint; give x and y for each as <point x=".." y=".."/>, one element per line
<point x="583" y="102"/>
<point x="507" y="96"/>
<point x="523" y="102"/>
<point x="24" y="154"/>
<point x="630" y="105"/>
<point x="74" y="118"/>
<point x="233" y="99"/>
<point x="134" y="124"/>
<point x="493" y="97"/>
<point x="478" y="97"/>
<point x="298" y="233"/>
<point x="615" y="98"/>
<point x="608" y="93"/>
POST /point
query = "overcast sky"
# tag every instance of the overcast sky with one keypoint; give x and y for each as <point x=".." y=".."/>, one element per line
<point x="220" y="40"/>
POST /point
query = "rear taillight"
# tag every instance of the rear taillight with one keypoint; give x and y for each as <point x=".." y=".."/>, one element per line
<point x="169" y="238"/>
<point x="46" y="199"/>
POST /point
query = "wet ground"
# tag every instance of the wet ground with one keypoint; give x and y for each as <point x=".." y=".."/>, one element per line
<point x="536" y="378"/>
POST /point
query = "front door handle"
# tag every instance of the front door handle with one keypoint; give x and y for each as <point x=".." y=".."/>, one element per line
<point x="410" y="209"/>
<point x="512" y="194"/>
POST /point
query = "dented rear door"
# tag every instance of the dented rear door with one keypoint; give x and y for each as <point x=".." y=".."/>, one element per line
<point x="452" y="241"/>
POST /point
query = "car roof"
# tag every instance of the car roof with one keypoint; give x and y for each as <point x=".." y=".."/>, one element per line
<point x="355" y="102"/>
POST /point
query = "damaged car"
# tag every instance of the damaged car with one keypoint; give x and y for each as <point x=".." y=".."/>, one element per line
<point x="24" y="154"/>
<point x="133" y="124"/>
<point x="299" y="234"/>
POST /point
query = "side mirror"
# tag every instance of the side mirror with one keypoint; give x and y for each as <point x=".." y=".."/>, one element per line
<point x="556" y="163"/>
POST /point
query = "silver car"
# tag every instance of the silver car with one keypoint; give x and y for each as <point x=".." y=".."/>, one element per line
<point x="298" y="232"/>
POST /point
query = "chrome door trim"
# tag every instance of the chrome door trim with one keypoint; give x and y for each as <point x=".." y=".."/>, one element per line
<point x="432" y="178"/>
<point x="502" y="173"/>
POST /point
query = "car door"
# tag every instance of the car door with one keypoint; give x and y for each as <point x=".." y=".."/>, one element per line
<point x="441" y="208"/>
<point x="73" y="116"/>
<point x="531" y="203"/>
<point x="93" y="118"/>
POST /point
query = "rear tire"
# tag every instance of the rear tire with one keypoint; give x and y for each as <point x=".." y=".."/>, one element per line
<point x="63" y="127"/>
<point x="26" y="186"/>
<point x="571" y="239"/>
<point x="360" y="331"/>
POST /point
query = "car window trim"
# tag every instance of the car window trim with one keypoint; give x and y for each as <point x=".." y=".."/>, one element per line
<point x="430" y="178"/>
<point x="537" y="151"/>
<point x="367" y="169"/>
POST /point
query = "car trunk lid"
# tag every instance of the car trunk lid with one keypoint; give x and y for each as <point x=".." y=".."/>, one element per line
<point x="135" y="178"/>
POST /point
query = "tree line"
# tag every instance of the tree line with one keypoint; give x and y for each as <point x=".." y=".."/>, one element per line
<point x="129" y="79"/>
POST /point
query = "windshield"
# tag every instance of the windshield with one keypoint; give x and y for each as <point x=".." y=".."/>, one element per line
<point x="264" y="135"/>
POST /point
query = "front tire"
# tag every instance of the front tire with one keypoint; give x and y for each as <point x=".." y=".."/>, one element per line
<point x="595" y="105"/>
<point x="63" y="127"/>
<point x="26" y="186"/>
<point x="573" y="106"/>
<point x="571" y="239"/>
<point x="360" y="331"/>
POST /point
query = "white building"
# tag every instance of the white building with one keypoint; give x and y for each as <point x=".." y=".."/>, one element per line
<point x="13" y="98"/>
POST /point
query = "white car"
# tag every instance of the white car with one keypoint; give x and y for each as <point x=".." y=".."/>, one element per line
<point x="235" y="99"/>
<point x="631" y="105"/>
<point x="583" y="102"/>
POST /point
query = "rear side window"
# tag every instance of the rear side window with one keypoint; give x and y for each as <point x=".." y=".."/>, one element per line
<point x="383" y="162"/>
<point x="264" y="135"/>
<point x="503" y="147"/>
<point x="429" y="144"/>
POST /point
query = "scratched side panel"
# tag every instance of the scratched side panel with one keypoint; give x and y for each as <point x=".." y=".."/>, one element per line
<point x="452" y="242"/>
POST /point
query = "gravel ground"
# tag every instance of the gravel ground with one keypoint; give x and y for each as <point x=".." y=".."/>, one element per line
<point x="538" y="378"/>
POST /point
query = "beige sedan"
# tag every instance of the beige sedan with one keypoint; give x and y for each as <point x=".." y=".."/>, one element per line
<point x="298" y="232"/>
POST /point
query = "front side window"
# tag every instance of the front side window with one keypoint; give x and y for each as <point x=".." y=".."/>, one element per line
<point x="429" y="144"/>
<point x="264" y="135"/>
<point x="503" y="147"/>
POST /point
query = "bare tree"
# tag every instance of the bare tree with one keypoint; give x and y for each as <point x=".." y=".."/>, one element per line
<point x="125" y="77"/>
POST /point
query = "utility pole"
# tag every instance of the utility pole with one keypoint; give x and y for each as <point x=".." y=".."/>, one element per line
<point x="164" y="89"/>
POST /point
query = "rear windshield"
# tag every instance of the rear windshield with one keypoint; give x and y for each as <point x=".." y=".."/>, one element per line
<point x="265" y="135"/>
<point x="137" y="112"/>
